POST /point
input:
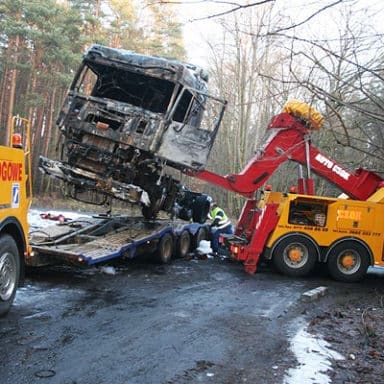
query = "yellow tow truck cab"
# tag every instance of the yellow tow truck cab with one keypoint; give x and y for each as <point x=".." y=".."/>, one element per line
<point x="15" y="200"/>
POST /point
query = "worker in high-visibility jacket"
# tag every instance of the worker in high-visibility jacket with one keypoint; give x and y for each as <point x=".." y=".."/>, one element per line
<point x="220" y="224"/>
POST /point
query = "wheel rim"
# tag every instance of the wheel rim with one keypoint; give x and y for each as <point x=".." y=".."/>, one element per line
<point x="184" y="244"/>
<point x="295" y="255"/>
<point x="348" y="261"/>
<point x="8" y="275"/>
<point x="167" y="249"/>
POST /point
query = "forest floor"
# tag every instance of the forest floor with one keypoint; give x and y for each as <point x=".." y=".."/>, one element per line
<point x="354" y="327"/>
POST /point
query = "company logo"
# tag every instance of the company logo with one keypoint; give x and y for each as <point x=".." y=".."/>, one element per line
<point x="10" y="171"/>
<point x="15" y="195"/>
<point x="332" y="166"/>
<point x="349" y="215"/>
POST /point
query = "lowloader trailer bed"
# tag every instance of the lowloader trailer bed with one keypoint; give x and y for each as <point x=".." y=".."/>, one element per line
<point x="90" y="240"/>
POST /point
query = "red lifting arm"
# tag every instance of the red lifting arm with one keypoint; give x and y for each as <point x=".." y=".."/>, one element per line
<point x="290" y="140"/>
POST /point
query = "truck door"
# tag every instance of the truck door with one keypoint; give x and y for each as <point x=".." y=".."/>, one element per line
<point x="194" y="121"/>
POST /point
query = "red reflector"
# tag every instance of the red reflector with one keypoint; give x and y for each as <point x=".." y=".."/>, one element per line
<point x="221" y="239"/>
<point x="234" y="249"/>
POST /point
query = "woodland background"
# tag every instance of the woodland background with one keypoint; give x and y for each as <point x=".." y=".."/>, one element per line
<point x="327" y="53"/>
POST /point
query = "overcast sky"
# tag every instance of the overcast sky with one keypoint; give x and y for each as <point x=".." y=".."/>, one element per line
<point x="196" y="33"/>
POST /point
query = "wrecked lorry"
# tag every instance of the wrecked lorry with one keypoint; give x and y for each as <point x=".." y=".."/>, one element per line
<point x="127" y="120"/>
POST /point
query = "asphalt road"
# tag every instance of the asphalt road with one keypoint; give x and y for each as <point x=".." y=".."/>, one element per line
<point x="194" y="321"/>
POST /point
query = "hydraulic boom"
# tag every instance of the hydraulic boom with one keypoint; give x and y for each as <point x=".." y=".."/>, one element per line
<point x="290" y="139"/>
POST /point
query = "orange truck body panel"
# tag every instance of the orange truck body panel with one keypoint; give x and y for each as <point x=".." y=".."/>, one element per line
<point x="328" y="220"/>
<point x="14" y="201"/>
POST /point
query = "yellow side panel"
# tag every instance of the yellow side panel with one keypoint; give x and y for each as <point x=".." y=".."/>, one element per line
<point x="345" y="219"/>
<point x="13" y="199"/>
<point x="350" y="216"/>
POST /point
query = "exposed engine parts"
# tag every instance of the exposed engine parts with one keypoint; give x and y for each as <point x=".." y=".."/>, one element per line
<point x="126" y="120"/>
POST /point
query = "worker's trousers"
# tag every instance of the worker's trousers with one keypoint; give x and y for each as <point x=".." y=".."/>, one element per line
<point x="215" y="234"/>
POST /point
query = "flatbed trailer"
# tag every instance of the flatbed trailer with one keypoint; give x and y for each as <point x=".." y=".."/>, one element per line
<point x="91" y="240"/>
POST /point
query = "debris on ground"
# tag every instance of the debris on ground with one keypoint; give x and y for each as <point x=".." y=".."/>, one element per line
<point x="202" y="252"/>
<point x="356" y="330"/>
<point x="48" y="216"/>
<point x="108" y="270"/>
<point x="204" y="247"/>
<point x="314" y="294"/>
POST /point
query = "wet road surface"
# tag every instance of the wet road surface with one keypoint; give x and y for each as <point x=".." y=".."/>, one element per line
<point x="196" y="321"/>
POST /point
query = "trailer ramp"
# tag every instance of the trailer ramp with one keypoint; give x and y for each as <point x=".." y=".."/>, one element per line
<point x="90" y="240"/>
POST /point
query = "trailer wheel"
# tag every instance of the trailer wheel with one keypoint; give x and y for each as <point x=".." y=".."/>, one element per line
<point x="9" y="272"/>
<point x="183" y="244"/>
<point x="200" y="209"/>
<point x="295" y="256"/>
<point x="201" y="234"/>
<point x="348" y="261"/>
<point x="165" y="249"/>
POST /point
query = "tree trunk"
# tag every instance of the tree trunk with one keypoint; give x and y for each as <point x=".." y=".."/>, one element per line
<point x="9" y="86"/>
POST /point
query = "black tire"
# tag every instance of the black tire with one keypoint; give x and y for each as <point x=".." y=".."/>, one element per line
<point x="9" y="272"/>
<point x="295" y="255"/>
<point x="200" y="209"/>
<point x="183" y="244"/>
<point x="201" y="234"/>
<point x="165" y="249"/>
<point x="184" y="214"/>
<point x="348" y="261"/>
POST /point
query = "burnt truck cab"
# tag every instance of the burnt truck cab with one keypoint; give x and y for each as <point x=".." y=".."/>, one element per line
<point x="127" y="119"/>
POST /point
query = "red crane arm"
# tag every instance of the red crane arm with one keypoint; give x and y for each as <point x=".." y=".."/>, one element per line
<point x="290" y="140"/>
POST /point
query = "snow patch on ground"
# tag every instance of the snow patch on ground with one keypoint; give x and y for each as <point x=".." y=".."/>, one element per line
<point x="314" y="356"/>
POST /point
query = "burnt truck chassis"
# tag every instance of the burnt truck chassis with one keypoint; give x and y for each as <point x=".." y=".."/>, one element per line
<point x="127" y="123"/>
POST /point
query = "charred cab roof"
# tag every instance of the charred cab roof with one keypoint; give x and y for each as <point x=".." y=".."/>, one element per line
<point x="187" y="74"/>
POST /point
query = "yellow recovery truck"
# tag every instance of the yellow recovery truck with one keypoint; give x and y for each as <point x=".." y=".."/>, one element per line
<point x="15" y="200"/>
<point x="296" y="231"/>
<point x="345" y="234"/>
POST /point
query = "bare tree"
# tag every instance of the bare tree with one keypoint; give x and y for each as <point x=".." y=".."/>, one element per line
<point x="330" y="56"/>
<point x="344" y="74"/>
<point x="236" y="63"/>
